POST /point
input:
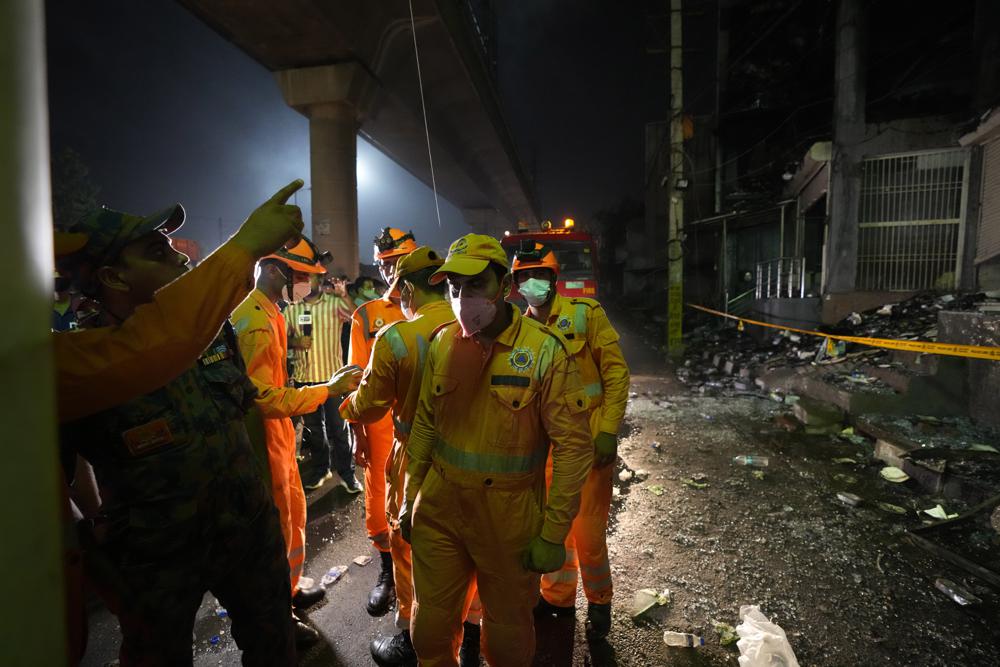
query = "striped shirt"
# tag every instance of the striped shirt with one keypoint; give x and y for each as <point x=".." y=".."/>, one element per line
<point x="325" y="319"/>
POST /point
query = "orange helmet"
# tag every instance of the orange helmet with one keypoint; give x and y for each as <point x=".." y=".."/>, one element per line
<point x="394" y="242"/>
<point x="534" y="255"/>
<point x="303" y="256"/>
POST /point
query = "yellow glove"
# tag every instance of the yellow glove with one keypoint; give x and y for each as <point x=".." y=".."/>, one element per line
<point x="543" y="556"/>
<point x="605" y="449"/>
<point x="272" y="224"/>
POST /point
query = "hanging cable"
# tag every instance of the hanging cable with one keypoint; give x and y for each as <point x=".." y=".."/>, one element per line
<point x="423" y="107"/>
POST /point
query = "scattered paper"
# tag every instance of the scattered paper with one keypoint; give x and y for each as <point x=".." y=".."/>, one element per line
<point x="939" y="512"/>
<point x="361" y="561"/>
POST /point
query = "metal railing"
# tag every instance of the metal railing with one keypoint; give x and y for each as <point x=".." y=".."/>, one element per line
<point x="740" y="304"/>
<point x="911" y="220"/>
<point x="782" y="278"/>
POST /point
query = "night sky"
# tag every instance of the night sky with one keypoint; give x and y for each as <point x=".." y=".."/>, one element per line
<point x="162" y="109"/>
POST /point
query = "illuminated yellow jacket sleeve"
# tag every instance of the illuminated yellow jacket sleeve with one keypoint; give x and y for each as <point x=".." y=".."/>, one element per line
<point x="97" y="368"/>
<point x="564" y="416"/>
<point x="603" y="342"/>
<point x="258" y="348"/>
<point x="376" y="394"/>
<point x="420" y="445"/>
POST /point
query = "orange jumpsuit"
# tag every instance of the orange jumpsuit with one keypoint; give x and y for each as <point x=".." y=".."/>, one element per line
<point x="476" y="482"/>
<point x="261" y="331"/>
<point x="593" y="342"/>
<point x="367" y="320"/>
<point x="96" y="368"/>
<point x="392" y="380"/>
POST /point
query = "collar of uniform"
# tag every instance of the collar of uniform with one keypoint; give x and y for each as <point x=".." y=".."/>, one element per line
<point x="557" y="306"/>
<point x="261" y="300"/>
<point x="433" y="306"/>
<point x="509" y="335"/>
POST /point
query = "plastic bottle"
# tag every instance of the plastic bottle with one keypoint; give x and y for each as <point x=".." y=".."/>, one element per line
<point x="682" y="639"/>
<point x="753" y="461"/>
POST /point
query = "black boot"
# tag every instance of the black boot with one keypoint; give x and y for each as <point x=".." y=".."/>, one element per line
<point x="468" y="654"/>
<point x="598" y="620"/>
<point x="397" y="650"/>
<point x="384" y="593"/>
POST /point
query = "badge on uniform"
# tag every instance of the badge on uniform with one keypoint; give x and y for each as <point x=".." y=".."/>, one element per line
<point x="564" y="323"/>
<point x="148" y="437"/>
<point x="521" y="359"/>
<point x="217" y="353"/>
<point x="379" y="322"/>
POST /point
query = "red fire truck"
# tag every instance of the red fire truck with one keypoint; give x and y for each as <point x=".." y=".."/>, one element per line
<point x="575" y="250"/>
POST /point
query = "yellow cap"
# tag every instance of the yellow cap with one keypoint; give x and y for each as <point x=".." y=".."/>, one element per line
<point x="421" y="258"/>
<point x="470" y="255"/>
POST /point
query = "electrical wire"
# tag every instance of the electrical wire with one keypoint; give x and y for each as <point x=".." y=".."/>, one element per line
<point x="423" y="108"/>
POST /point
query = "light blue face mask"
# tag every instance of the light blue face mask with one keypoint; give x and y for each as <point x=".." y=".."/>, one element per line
<point x="535" y="290"/>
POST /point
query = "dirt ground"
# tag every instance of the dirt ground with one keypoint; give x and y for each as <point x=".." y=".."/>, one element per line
<point x="835" y="577"/>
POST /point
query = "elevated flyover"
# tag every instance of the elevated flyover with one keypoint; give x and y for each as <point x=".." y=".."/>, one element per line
<point x="349" y="66"/>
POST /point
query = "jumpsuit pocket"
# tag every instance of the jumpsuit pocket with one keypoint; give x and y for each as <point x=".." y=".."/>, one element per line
<point x="511" y="428"/>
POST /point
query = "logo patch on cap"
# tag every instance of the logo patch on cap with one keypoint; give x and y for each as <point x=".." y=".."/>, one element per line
<point x="521" y="359"/>
<point x="459" y="247"/>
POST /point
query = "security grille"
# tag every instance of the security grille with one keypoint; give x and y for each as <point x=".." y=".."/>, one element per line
<point x="988" y="246"/>
<point x="911" y="221"/>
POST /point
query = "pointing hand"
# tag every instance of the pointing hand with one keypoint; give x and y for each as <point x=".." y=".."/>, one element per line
<point x="272" y="224"/>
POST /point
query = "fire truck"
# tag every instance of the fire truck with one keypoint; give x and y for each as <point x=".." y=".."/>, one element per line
<point x="575" y="250"/>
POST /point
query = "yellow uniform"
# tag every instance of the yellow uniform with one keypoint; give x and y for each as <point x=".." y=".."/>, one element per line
<point x="476" y="482"/>
<point x="593" y="342"/>
<point x="392" y="381"/>
<point x="365" y="324"/>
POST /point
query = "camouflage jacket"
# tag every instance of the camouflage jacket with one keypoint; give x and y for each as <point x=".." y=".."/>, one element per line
<point x="177" y="462"/>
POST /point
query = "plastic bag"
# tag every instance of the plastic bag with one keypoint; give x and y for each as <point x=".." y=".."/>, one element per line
<point x="762" y="643"/>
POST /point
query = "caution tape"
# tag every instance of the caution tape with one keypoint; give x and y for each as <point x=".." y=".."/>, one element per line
<point x="947" y="349"/>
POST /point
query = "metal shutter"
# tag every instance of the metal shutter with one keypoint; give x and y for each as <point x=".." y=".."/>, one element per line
<point x="988" y="245"/>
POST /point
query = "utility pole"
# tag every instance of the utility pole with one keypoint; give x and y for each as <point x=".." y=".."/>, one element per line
<point x="675" y="201"/>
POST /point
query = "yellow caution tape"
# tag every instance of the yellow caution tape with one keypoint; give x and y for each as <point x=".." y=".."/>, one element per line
<point x="947" y="349"/>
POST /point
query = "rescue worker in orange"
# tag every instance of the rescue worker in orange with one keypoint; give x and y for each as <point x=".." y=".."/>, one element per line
<point x="593" y="342"/>
<point x="497" y="391"/>
<point x="373" y="441"/>
<point x="262" y="333"/>
<point x="392" y="382"/>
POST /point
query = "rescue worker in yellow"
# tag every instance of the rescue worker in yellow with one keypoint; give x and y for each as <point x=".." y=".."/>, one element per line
<point x="497" y="391"/>
<point x="262" y="334"/>
<point x="95" y="369"/>
<point x="373" y="441"/>
<point x="593" y="342"/>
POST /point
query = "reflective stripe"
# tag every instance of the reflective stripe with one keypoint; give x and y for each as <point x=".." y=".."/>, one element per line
<point x="401" y="426"/>
<point x="580" y="320"/>
<point x="421" y="352"/>
<point x="489" y="463"/>
<point x="546" y="352"/>
<point x="593" y="389"/>
<point x="560" y="577"/>
<point x="396" y="343"/>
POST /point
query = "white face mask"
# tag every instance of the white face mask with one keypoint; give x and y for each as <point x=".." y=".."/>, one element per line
<point x="535" y="290"/>
<point x="300" y="291"/>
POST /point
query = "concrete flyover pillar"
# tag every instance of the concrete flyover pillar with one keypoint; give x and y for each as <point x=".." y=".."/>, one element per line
<point x="333" y="97"/>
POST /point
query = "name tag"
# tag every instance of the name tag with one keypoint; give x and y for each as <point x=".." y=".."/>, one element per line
<point x="305" y="318"/>
<point x="215" y="354"/>
<point x="148" y="437"/>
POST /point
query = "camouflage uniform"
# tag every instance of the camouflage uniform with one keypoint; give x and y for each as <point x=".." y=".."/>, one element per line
<point x="184" y="511"/>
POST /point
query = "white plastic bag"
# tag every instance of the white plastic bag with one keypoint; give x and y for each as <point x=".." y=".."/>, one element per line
<point x="762" y="643"/>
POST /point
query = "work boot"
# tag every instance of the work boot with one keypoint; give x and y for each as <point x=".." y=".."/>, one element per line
<point x="468" y="654"/>
<point x="598" y="620"/>
<point x="304" y="635"/>
<point x="307" y="597"/>
<point x="546" y="608"/>
<point x="313" y="481"/>
<point x="384" y="593"/>
<point x="397" y="650"/>
<point x="350" y="484"/>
